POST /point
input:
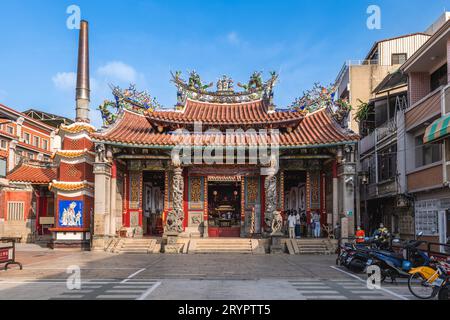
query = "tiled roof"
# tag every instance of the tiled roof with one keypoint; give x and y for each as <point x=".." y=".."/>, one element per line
<point x="70" y="186"/>
<point x="78" y="127"/>
<point x="225" y="114"/>
<point x="32" y="174"/>
<point x="316" y="128"/>
<point x="72" y="153"/>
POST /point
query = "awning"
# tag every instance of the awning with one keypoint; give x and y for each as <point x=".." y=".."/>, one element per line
<point x="437" y="130"/>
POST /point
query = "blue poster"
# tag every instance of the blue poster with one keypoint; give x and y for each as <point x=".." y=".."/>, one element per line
<point x="70" y="214"/>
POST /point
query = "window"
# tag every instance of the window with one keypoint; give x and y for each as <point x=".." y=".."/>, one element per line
<point x="426" y="217"/>
<point x="399" y="58"/>
<point x="2" y="168"/>
<point x="26" y="138"/>
<point x="387" y="163"/>
<point x="426" y="154"/>
<point x="10" y="130"/>
<point x="30" y="156"/>
<point x="438" y="78"/>
<point x="36" y="141"/>
<point x="3" y="144"/>
<point x="45" y="144"/>
<point x="15" y="210"/>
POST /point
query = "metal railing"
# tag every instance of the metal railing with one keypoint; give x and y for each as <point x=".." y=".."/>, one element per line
<point x="385" y="130"/>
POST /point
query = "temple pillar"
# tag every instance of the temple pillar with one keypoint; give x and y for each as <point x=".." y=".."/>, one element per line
<point x="113" y="200"/>
<point x="347" y="177"/>
<point x="335" y="195"/>
<point x="175" y="217"/>
<point x="102" y="192"/>
<point x="270" y="187"/>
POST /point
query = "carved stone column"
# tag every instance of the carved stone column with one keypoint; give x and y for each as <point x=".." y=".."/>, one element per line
<point x="271" y="197"/>
<point x="174" y="221"/>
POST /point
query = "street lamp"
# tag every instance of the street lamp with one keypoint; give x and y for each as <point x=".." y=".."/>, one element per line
<point x="364" y="175"/>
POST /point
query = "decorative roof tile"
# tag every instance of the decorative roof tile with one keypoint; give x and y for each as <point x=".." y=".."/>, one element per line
<point x="78" y="127"/>
<point x="34" y="174"/>
<point x="317" y="128"/>
<point x="255" y="112"/>
<point x="70" y="186"/>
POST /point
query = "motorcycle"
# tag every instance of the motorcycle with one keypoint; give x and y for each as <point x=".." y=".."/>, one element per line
<point x="356" y="257"/>
<point x="397" y="265"/>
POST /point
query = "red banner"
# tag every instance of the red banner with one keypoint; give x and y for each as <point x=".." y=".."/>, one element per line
<point x="4" y="255"/>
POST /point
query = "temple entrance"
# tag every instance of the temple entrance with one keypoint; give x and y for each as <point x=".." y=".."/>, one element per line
<point x="224" y="209"/>
<point x="295" y="199"/>
<point x="153" y="203"/>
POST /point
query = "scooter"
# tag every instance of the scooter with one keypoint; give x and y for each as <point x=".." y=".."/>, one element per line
<point x="395" y="265"/>
<point x="357" y="258"/>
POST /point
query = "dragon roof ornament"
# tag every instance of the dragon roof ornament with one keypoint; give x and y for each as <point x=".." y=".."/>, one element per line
<point x="130" y="99"/>
<point x="323" y="97"/>
<point x="195" y="89"/>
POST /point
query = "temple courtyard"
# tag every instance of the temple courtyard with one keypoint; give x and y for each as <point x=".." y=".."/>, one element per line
<point x="49" y="275"/>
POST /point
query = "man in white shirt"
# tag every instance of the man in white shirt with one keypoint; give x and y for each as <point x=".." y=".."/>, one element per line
<point x="291" y="223"/>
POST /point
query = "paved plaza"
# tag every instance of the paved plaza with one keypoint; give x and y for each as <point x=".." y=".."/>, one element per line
<point x="185" y="277"/>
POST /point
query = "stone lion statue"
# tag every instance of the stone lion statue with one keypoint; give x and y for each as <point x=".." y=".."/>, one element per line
<point x="277" y="222"/>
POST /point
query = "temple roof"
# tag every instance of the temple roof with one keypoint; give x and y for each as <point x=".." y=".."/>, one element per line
<point x="315" y="129"/>
<point x="254" y="112"/>
<point x="31" y="173"/>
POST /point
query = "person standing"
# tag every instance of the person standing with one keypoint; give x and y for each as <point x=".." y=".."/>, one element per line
<point x="316" y="218"/>
<point x="297" y="225"/>
<point x="360" y="235"/>
<point x="291" y="223"/>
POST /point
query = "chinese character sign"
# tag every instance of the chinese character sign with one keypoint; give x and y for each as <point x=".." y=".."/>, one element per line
<point x="70" y="213"/>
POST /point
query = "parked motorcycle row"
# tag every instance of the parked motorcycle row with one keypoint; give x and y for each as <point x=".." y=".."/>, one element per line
<point x="427" y="276"/>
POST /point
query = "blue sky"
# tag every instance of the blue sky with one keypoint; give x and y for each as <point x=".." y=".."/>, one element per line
<point x="142" y="41"/>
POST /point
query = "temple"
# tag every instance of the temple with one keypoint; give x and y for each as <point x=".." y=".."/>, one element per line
<point x="223" y="162"/>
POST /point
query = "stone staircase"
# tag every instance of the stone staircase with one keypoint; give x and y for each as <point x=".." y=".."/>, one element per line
<point x="313" y="246"/>
<point x="133" y="245"/>
<point x="222" y="245"/>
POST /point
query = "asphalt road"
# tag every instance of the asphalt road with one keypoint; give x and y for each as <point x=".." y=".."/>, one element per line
<point x="97" y="275"/>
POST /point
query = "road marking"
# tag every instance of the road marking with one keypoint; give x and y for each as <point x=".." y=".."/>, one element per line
<point x="359" y="279"/>
<point x="133" y="275"/>
<point x="149" y="291"/>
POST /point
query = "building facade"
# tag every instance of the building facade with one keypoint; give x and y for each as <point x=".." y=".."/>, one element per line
<point x="26" y="148"/>
<point x="358" y="79"/>
<point x="223" y="162"/>
<point x="426" y="141"/>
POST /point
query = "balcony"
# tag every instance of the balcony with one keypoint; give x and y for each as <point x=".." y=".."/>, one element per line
<point x="424" y="110"/>
<point x="387" y="130"/>
<point x="367" y="143"/>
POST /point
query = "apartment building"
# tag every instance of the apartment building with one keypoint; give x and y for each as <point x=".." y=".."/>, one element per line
<point x="26" y="147"/>
<point x="358" y="79"/>
<point x="426" y="142"/>
<point x="383" y="191"/>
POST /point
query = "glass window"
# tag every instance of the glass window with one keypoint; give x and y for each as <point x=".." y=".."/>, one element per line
<point x="426" y="154"/>
<point x="2" y="168"/>
<point x="399" y="58"/>
<point x="44" y="144"/>
<point x="36" y="141"/>
<point x="387" y="163"/>
<point x="3" y="144"/>
<point x="438" y="78"/>
<point x="10" y="130"/>
<point x="26" y="137"/>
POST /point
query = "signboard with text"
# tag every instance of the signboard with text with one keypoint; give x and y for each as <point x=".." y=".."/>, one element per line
<point x="5" y="255"/>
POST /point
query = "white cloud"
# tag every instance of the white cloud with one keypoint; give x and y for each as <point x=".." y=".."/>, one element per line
<point x="65" y="81"/>
<point x="233" y="38"/>
<point x="117" y="70"/>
